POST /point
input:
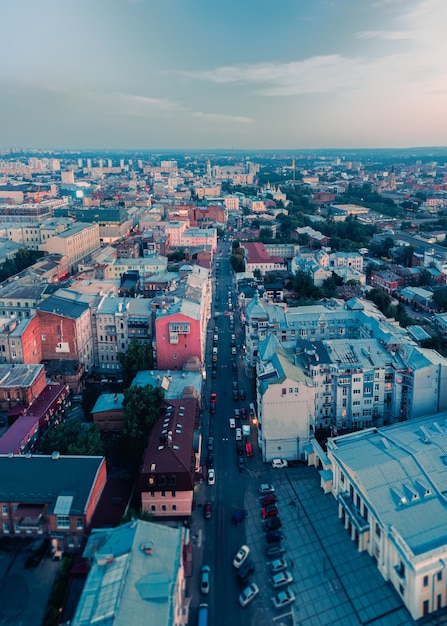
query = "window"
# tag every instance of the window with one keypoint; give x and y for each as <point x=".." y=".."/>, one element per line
<point x="425" y="583"/>
<point x="153" y="507"/>
<point x="283" y="391"/>
<point x="163" y="507"/>
<point x="439" y="576"/>
<point x="4" y="510"/>
<point x="62" y="521"/>
<point x="70" y="542"/>
<point x="376" y="398"/>
<point x="163" y="494"/>
<point x="174" y="507"/>
<point x="79" y="524"/>
<point x="6" y="528"/>
<point x="173" y="494"/>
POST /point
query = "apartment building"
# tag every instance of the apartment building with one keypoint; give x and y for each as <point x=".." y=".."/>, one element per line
<point x="257" y="258"/>
<point x="389" y="484"/>
<point x="20" y="340"/>
<point x="145" y="266"/>
<point x="76" y="243"/>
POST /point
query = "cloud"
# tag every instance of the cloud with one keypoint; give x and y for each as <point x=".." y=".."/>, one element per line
<point x="384" y="34"/>
<point x="238" y="119"/>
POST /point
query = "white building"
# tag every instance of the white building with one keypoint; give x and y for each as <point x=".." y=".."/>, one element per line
<point x="390" y="485"/>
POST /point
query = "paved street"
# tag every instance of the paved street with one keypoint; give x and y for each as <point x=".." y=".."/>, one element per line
<point x="333" y="582"/>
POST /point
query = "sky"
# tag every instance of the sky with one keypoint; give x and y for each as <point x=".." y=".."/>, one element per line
<point x="223" y="74"/>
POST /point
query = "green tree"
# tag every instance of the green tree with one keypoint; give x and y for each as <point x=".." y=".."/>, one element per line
<point x="139" y="356"/>
<point x="141" y="405"/>
<point x="440" y="299"/>
<point x="73" y="437"/>
<point x="266" y="234"/>
<point x="425" y="278"/>
<point x="380" y="298"/>
<point x="304" y="287"/>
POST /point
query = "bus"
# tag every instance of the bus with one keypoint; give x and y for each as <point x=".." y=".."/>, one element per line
<point x="203" y="615"/>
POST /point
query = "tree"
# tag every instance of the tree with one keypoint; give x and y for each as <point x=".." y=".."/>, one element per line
<point x="303" y="284"/>
<point x="425" y="278"/>
<point x="141" y="406"/>
<point x="139" y="356"/>
<point x="440" y="298"/>
<point x="266" y="234"/>
<point x="380" y="298"/>
<point x="73" y="437"/>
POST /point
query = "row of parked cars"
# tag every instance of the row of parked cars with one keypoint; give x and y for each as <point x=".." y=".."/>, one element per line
<point x="281" y="575"/>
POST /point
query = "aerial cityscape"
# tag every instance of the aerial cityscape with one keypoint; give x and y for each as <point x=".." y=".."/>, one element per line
<point x="223" y="313"/>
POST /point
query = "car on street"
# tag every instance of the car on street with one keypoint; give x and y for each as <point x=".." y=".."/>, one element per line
<point x="273" y="536"/>
<point x="266" y="488"/>
<point x="279" y="463"/>
<point x="233" y="337"/>
<point x="240" y="449"/>
<point x="238" y="434"/>
<point x="234" y="385"/>
<point x="242" y="394"/>
<point x="270" y="498"/>
<point x="272" y="524"/>
<point x="213" y="407"/>
<point x="244" y="571"/>
<point x="237" y="414"/>
<point x="240" y="463"/>
<point x="243" y="413"/>
<point x="232" y="422"/>
<point x="208" y="510"/>
<point x="205" y="579"/>
<point x="248" y="594"/>
<point x="213" y="398"/>
<point x="281" y="579"/>
<point x="235" y="394"/>
<point x="233" y="350"/>
<point x="213" y="373"/>
<point x="283" y="598"/>
<point x="216" y="329"/>
<point x="278" y="565"/>
<point x="210" y="444"/>
<point x="239" y="516"/>
<point x="269" y="511"/>
<point x="209" y="460"/>
<point x="248" y="450"/>
<point x="241" y="556"/>
<point x="275" y="549"/>
<point x="234" y="366"/>
<point x="211" y="477"/>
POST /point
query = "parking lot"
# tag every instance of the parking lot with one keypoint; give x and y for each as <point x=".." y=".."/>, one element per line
<point x="333" y="582"/>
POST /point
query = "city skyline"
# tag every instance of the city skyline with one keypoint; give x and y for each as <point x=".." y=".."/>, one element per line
<point x="147" y="74"/>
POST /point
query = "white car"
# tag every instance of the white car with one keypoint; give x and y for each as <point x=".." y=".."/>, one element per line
<point x="279" y="463"/>
<point x="282" y="579"/>
<point x="283" y="599"/>
<point x="248" y="594"/>
<point x="232" y="422"/>
<point x="265" y="488"/>
<point x="277" y="565"/>
<point x="238" y="434"/>
<point x="241" y="556"/>
<point x="211" y="476"/>
<point x="233" y="350"/>
<point x="205" y="579"/>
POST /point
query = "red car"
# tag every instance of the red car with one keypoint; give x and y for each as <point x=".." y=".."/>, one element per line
<point x="270" y="498"/>
<point x="243" y="413"/>
<point x="213" y="398"/>
<point x="269" y="511"/>
<point x="208" y="511"/>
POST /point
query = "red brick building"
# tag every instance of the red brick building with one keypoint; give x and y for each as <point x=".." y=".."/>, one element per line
<point x="20" y="340"/>
<point x="20" y="384"/>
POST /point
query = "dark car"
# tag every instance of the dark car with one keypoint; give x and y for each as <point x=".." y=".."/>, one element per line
<point x="240" y="448"/>
<point x="234" y="366"/>
<point x="244" y="571"/>
<point x="213" y="407"/>
<point x="210" y="444"/>
<point x="210" y="460"/>
<point x="272" y="524"/>
<point x="240" y="462"/>
<point x="242" y="394"/>
<point x="235" y="384"/>
<point x="235" y="394"/>
<point x="37" y="555"/>
<point x="208" y="510"/>
<point x="273" y="536"/>
<point x="243" y="413"/>
<point x="270" y="498"/>
<point x="213" y="373"/>
<point x="274" y="549"/>
<point x="239" y="516"/>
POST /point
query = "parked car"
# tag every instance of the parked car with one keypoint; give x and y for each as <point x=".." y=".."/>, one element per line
<point x="248" y="594"/>
<point x="232" y="422"/>
<point x="213" y="398"/>
<point x="240" y="463"/>
<point x="240" y="449"/>
<point x="282" y="579"/>
<point x="213" y="375"/>
<point x="269" y="511"/>
<point x="205" y="579"/>
<point x="273" y="536"/>
<point x="239" y="516"/>
<point x="244" y="571"/>
<point x="238" y="434"/>
<point x="243" y="413"/>
<point x="279" y="463"/>
<point x="208" y="510"/>
<point x="241" y="556"/>
<point x="248" y="450"/>
<point x="234" y="366"/>
<point x="235" y="394"/>
<point x="278" y="565"/>
<point x="209" y="460"/>
<point x="275" y="549"/>
<point x="233" y="350"/>
<point x="270" y="498"/>
<point x="265" y="488"/>
<point x="211" y="477"/>
<point x="272" y="524"/>
<point x="237" y="414"/>
<point x="284" y="598"/>
<point x="234" y="385"/>
<point x="242" y="394"/>
<point x="210" y="444"/>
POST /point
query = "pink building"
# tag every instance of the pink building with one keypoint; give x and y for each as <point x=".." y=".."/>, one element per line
<point x="179" y="336"/>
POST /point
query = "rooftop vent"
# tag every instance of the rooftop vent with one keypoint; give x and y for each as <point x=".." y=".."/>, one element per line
<point x="55" y="456"/>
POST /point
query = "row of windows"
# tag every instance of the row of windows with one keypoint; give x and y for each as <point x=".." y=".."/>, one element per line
<point x="164" y="507"/>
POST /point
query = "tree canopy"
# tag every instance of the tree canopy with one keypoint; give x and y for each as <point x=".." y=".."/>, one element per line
<point x="139" y="356"/>
<point x="140" y="411"/>
<point x="73" y="437"/>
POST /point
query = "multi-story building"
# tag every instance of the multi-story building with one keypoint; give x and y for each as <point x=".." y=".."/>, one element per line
<point x="257" y="258"/>
<point x="137" y="569"/>
<point x="50" y="496"/>
<point x="20" y="384"/>
<point x="180" y="327"/>
<point x="76" y="243"/>
<point x="167" y="475"/>
<point x="20" y="340"/>
<point x="390" y="486"/>
<point x="145" y="266"/>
